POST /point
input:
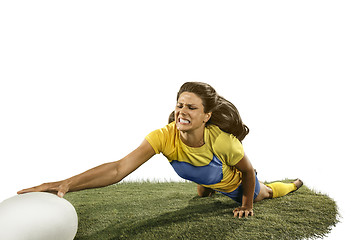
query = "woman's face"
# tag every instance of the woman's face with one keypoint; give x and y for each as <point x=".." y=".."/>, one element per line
<point x="189" y="112"/>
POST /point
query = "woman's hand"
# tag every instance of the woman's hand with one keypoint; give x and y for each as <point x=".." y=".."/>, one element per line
<point x="243" y="212"/>
<point x="59" y="188"/>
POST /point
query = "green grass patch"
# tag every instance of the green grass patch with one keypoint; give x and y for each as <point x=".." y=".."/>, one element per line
<point x="173" y="211"/>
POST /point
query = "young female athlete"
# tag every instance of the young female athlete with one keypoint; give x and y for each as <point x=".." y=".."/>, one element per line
<point x="202" y="143"/>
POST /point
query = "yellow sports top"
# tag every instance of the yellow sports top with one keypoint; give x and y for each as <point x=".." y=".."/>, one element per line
<point x="211" y="165"/>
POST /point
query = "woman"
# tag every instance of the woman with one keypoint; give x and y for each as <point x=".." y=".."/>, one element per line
<point x="202" y="143"/>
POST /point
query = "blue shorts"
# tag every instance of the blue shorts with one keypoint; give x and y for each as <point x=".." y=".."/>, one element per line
<point x="237" y="194"/>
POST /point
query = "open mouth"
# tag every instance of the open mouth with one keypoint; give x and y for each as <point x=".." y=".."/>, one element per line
<point x="183" y="121"/>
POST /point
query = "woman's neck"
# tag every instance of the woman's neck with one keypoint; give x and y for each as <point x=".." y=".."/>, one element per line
<point x="193" y="138"/>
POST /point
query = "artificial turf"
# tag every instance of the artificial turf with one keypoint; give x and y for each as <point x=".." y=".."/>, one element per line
<point x="172" y="210"/>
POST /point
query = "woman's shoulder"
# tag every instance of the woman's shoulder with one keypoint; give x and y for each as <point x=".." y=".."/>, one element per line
<point x="170" y="128"/>
<point x="163" y="139"/>
<point x="220" y="138"/>
<point x="216" y="132"/>
<point x="225" y="145"/>
<point x="168" y="131"/>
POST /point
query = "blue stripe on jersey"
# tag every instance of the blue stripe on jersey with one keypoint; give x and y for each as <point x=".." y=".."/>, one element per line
<point x="206" y="175"/>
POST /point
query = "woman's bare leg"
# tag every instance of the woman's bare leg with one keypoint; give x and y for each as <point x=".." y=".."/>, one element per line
<point x="204" y="191"/>
<point x="266" y="192"/>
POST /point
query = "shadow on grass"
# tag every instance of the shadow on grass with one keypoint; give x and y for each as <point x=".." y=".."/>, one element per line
<point x="188" y="223"/>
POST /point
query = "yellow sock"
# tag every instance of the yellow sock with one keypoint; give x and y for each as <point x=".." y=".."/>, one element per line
<point x="281" y="189"/>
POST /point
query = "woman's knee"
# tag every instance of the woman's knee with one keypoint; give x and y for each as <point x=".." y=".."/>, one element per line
<point x="204" y="191"/>
<point x="265" y="193"/>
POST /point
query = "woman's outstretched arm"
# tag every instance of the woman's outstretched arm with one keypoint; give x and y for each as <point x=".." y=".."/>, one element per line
<point x="100" y="176"/>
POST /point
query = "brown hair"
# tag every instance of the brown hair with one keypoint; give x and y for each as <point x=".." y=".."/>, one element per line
<point x="224" y="113"/>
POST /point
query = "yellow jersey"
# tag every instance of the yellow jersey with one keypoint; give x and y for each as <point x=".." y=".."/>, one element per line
<point x="211" y="165"/>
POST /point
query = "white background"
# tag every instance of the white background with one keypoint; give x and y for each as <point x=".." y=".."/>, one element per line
<point x="83" y="82"/>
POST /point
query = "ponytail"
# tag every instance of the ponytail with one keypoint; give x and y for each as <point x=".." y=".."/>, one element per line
<point x="227" y="118"/>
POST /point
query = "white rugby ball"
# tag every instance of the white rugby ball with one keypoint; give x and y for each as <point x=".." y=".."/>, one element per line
<point x="37" y="216"/>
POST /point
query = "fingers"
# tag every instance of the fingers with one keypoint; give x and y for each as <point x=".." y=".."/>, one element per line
<point x="242" y="212"/>
<point x="63" y="189"/>
<point x="32" y="189"/>
<point x="25" y="191"/>
<point x="60" y="194"/>
<point x="57" y="188"/>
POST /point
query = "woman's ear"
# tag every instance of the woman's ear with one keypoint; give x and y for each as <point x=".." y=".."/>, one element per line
<point x="207" y="117"/>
